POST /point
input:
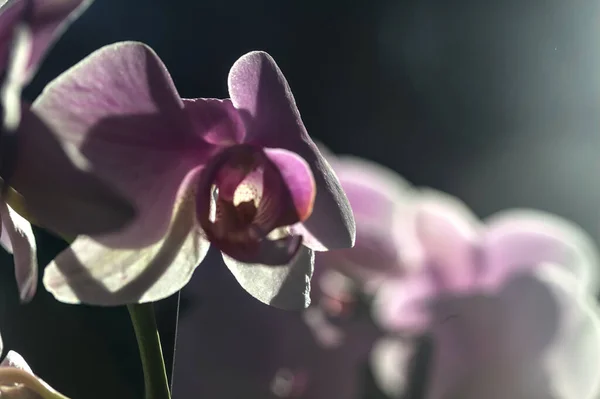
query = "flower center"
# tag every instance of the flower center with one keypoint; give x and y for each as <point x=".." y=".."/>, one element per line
<point x="252" y="205"/>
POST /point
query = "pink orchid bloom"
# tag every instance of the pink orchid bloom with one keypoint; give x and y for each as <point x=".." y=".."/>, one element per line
<point x="509" y="304"/>
<point x="434" y="268"/>
<point x="18" y="381"/>
<point x="27" y="147"/>
<point x="241" y="174"/>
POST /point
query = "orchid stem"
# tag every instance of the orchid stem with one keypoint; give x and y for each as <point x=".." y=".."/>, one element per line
<point x="155" y="375"/>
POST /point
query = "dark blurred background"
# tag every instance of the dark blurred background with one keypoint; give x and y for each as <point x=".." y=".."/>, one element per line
<point x="492" y="101"/>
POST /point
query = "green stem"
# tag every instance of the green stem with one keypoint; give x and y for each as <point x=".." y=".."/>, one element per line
<point x="153" y="364"/>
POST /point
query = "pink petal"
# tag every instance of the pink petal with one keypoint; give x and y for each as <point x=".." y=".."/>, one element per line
<point x="49" y="19"/>
<point x="536" y="338"/>
<point x="376" y="194"/>
<point x="11" y="13"/>
<point x="285" y="286"/>
<point x="298" y="179"/>
<point x="525" y="238"/>
<point x="374" y="191"/>
<point x="27" y="30"/>
<point x="216" y="121"/>
<point x="46" y="20"/>
<point x="260" y="92"/>
<point x="401" y="304"/>
<point x="119" y="110"/>
<point x="24" y="250"/>
<point x="92" y="273"/>
<point x="448" y="234"/>
<point x="65" y="197"/>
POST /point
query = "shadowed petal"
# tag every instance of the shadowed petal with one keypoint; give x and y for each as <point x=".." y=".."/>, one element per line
<point x="46" y="20"/>
<point x="285" y="287"/>
<point x="24" y="250"/>
<point x="89" y="272"/>
<point x="260" y="92"/>
<point x="573" y="362"/>
<point x="536" y="339"/>
<point x="27" y="30"/>
<point x="216" y="121"/>
<point x="49" y="19"/>
<point x="119" y="111"/>
<point x="11" y="12"/>
<point x="526" y="238"/>
<point x="66" y="197"/>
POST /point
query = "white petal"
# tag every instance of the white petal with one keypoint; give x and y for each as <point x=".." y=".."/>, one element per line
<point x="15" y="360"/>
<point x="23" y="247"/>
<point x="285" y="287"/>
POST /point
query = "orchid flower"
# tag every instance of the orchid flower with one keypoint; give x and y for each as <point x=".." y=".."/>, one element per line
<point x="241" y="174"/>
<point x="509" y="304"/>
<point x="417" y="248"/>
<point x="27" y="147"/>
<point x="17" y="380"/>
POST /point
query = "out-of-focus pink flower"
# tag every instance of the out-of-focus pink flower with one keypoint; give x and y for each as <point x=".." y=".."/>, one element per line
<point x="378" y="197"/>
<point x="240" y="173"/>
<point x="17" y="380"/>
<point x="509" y="303"/>
<point x="31" y="160"/>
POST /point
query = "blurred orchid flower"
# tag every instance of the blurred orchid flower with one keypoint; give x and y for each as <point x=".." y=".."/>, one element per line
<point x="27" y="147"/>
<point x="17" y="380"/>
<point x="509" y="304"/>
<point x="433" y="268"/>
<point x="240" y="173"/>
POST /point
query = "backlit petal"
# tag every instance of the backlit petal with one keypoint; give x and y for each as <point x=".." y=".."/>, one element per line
<point x="297" y="177"/>
<point x="526" y="238"/>
<point x="260" y="92"/>
<point x="120" y="112"/>
<point x="376" y="194"/>
<point x="449" y="235"/>
<point x="89" y="272"/>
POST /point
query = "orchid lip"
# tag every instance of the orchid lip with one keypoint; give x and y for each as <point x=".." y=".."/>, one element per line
<point x="251" y="206"/>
